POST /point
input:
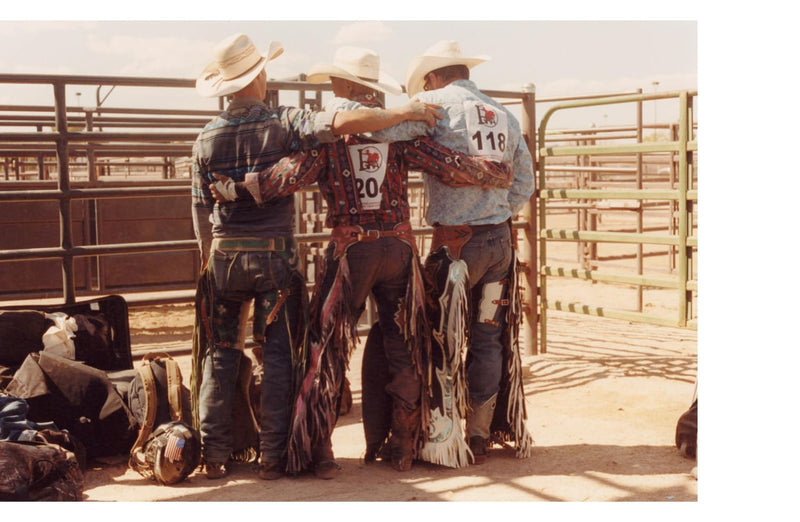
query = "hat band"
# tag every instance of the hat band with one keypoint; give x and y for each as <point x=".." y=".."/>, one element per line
<point x="230" y="68"/>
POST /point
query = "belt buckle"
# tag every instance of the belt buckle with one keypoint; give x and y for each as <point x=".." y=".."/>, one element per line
<point x="370" y="235"/>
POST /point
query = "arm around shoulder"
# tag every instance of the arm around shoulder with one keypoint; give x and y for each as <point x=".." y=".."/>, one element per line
<point x="361" y="121"/>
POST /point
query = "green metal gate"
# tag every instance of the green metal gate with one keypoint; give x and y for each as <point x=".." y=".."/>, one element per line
<point x="678" y="196"/>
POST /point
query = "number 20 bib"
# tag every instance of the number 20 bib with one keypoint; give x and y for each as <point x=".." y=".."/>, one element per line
<point x="488" y="129"/>
<point x="369" y="166"/>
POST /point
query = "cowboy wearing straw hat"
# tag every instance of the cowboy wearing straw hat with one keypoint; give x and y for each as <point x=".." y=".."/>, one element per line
<point x="248" y="250"/>
<point x="372" y="250"/>
<point x="471" y="269"/>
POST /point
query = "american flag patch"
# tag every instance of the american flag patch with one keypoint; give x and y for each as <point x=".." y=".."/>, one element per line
<point x="174" y="448"/>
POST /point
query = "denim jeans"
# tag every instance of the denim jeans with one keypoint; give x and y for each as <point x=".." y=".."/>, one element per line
<point x="488" y="255"/>
<point x="241" y="278"/>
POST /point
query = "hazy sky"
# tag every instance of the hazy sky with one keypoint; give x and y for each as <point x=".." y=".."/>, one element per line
<point x="561" y="58"/>
<point x="570" y="57"/>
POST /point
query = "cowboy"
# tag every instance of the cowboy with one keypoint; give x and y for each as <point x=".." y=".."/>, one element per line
<point x="372" y="250"/>
<point x="248" y="250"/>
<point x="471" y="269"/>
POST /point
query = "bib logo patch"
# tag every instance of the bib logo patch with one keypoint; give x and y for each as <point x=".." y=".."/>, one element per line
<point x="486" y="116"/>
<point x="369" y="159"/>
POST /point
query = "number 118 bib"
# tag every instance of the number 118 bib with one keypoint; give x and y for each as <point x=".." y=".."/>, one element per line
<point x="488" y="129"/>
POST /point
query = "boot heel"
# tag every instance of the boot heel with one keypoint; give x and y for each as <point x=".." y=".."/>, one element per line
<point x="405" y="425"/>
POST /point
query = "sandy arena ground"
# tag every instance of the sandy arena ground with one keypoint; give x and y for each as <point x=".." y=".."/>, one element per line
<point x="602" y="406"/>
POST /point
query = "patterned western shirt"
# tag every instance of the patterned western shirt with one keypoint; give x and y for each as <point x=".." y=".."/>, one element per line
<point x="246" y="137"/>
<point x="365" y="182"/>
<point x="472" y="123"/>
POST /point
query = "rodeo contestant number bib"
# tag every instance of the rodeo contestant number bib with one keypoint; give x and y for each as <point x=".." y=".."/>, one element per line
<point x="488" y="129"/>
<point x="369" y="166"/>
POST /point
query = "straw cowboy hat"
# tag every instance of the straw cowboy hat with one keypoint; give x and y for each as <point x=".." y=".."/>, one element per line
<point x="441" y="54"/>
<point x="358" y="65"/>
<point x="236" y="63"/>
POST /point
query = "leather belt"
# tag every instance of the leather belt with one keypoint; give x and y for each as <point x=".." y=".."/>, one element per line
<point x="477" y="229"/>
<point x="374" y="235"/>
<point x="250" y="244"/>
<point x="344" y="236"/>
<point x="452" y="237"/>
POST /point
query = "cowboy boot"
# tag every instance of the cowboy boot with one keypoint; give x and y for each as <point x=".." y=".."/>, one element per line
<point x="325" y="466"/>
<point x="405" y="425"/>
<point x="479" y="421"/>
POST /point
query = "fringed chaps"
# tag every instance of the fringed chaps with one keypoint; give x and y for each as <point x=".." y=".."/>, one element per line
<point x="449" y="313"/>
<point x="332" y="339"/>
<point x="508" y="424"/>
<point x="448" y="302"/>
<point x="201" y="339"/>
<point x="413" y="322"/>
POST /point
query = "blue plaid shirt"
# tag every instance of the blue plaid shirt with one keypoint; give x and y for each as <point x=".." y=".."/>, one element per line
<point x="249" y="136"/>
<point x="462" y="102"/>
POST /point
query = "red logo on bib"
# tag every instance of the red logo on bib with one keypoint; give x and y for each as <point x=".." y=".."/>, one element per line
<point x="370" y="159"/>
<point x="486" y="116"/>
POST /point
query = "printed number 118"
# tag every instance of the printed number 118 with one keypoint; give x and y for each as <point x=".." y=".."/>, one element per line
<point x="490" y="137"/>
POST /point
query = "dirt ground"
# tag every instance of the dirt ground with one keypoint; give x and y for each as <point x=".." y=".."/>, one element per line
<point x="602" y="404"/>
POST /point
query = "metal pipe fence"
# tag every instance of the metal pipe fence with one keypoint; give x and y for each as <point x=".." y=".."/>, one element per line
<point x="635" y="192"/>
<point x="65" y="132"/>
<point x="98" y="154"/>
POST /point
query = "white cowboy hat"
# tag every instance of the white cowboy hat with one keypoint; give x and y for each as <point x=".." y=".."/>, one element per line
<point x="236" y="63"/>
<point x="358" y="65"/>
<point x="440" y="54"/>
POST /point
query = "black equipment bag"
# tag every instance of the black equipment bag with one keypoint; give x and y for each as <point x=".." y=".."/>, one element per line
<point x="101" y="341"/>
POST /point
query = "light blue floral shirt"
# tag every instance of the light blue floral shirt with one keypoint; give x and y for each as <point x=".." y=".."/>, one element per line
<point x="472" y="123"/>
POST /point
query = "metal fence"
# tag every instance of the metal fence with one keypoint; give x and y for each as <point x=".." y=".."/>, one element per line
<point x="73" y="139"/>
<point x="608" y="174"/>
<point x="94" y="157"/>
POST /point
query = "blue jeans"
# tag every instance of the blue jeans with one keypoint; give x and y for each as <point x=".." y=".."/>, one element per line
<point x="240" y="278"/>
<point x="488" y="255"/>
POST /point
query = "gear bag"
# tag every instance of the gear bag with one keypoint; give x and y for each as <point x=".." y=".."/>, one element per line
<point x="34" y="470"/>
<point x="167" y="448"/>
<point x="76" y="398"/>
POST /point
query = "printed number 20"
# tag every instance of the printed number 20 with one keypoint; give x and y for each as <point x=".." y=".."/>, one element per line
<point x="490" y="137"/>
<point x="371" y="186"/>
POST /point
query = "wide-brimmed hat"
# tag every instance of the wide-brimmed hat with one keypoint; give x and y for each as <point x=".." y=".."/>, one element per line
<point x="236" y="63"/>
<point x="358" y="65"/>
<point x="440" y="54"/>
